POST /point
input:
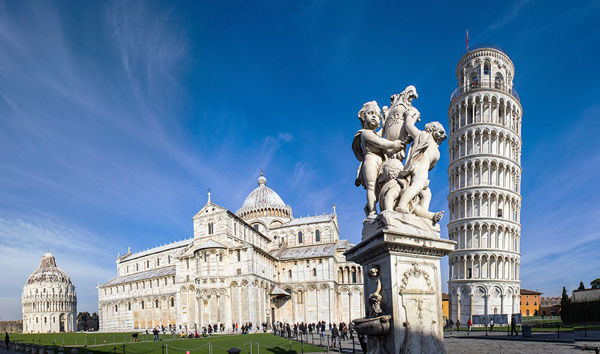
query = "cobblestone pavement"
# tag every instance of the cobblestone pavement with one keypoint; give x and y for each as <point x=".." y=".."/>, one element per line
<point x="455" y="345"/>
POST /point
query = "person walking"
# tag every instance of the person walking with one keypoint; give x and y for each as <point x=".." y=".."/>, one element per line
<point x="335" y="333"/>
<point x="469" y="324"/>
<point x="491" y="325"/>
<point x="458" y="324"/>
<point x="513" y="326"/>
<point x="451" y="324"/>
<point x="7" y="340"/>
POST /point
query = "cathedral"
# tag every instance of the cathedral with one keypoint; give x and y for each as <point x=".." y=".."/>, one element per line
<point x="258" y="265"/>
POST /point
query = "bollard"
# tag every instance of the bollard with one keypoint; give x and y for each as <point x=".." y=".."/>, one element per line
<point x="250" y="347"/>
<point x="123" y="348"/>
<point x="61" y="350"/>
<point x="74" y="351"/>
<point x="258" y="347"/>
<point x="41" y="350"/>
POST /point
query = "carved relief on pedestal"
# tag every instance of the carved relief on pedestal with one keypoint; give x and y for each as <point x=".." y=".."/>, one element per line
<point x="419" y="302"/>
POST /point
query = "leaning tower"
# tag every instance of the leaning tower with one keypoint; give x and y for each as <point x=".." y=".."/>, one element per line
<point x="485" y="188"/>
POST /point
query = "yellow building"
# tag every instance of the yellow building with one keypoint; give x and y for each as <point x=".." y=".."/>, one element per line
<point x="530" y="302"/>
<point x="445" y="306"/>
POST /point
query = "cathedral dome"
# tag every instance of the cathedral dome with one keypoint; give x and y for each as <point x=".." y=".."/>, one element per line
<point x="48" y="272"/>
<point x="265" y="201"/>
<point x="263" y="196"/>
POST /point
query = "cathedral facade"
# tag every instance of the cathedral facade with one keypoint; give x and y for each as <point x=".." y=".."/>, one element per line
<point x="258" y="265"/>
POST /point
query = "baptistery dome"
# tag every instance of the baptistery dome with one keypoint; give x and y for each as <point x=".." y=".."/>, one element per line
<point x="264" y="202"/>
<point x="48" y="272"/>
<point x="49" y="299"/>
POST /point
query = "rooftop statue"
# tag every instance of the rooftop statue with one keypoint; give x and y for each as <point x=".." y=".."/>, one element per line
<point x="400" y="189"/>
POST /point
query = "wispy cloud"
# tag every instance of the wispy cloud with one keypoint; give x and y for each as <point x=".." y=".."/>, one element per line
<point x="509" y="16"/>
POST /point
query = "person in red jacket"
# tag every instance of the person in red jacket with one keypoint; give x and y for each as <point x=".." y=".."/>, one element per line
<point x="469" y="324"/>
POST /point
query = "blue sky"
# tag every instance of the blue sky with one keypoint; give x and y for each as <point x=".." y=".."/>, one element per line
<point x="116" y="117"/>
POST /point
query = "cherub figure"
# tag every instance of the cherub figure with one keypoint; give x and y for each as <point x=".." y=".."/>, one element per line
<point x="390" y="184"/>
<point x="370" y="148"/>
<point x="422" y="157"/>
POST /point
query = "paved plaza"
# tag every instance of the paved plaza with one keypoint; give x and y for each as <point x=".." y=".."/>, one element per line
<point x="477" y="342"/>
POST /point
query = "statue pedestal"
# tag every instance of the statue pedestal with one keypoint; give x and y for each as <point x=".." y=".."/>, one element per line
<point x="408" y="263"/>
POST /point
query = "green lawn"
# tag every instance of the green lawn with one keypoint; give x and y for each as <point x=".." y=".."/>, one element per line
<point x="121" y="343"/>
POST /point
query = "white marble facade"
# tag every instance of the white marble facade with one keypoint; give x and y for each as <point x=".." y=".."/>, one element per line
<point x="49" y="300"/>
<point x="258" y="265"/>
<point x="485" y="184"/>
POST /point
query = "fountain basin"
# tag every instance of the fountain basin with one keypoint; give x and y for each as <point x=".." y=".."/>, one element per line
<point x="375" y="326"/>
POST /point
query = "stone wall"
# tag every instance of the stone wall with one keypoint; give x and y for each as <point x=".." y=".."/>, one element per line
<point x="11" y="326"/>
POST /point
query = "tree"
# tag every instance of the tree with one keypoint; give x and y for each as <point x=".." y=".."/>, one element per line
<point x="564" y="305"/>
<point x="82" y="321"/>
<point x="85" y="322"/>
<point x="595" y="283"/>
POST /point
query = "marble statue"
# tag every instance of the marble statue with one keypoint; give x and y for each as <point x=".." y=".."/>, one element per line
<point x="397" y="187"/>
<point x="370" y="149"/>
<point x="401" y="245"/>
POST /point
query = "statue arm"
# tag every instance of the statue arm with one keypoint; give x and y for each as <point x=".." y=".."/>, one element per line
<point x="370" y="137"/>
<point x="409" y="125"/>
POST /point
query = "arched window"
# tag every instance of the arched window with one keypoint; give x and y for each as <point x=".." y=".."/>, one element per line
<point x="486" y="69"/>
<point x="137" y="267"/>
<point x="220" y="258"/>
<point x="299" y="296"/>
<point x="474" y="81"/>
<point x="498" y="81"/>
<point x="169" y="259"/>
<point x="527" y="313"/>
<point x="158" y="262"/>
<point x="147" y="264"/>
<point x="527" y="303"/>
<point x="172" y="302"/>
<point x="239" y="256"/>
<point x="156" y="303"/>
<point x="116" y="308"/>
<point x="255" y="226"/>
<point x="317" y="236"/>
<point x="210" y="228"/>
<point x="354" y="276"/>
<point x="315" y="272"/>
<point x="290" y="273"/>
<point x="299" y="236"/>
<point x="142" y="305"/>
<point x="36" y="320"/>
